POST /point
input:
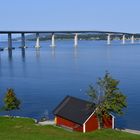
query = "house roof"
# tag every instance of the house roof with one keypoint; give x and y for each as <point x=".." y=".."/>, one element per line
<point x="74" y="109"/>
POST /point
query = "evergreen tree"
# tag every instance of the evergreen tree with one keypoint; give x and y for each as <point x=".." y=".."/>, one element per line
<point x="10" y="101"/>
<point x="106" y="97"/>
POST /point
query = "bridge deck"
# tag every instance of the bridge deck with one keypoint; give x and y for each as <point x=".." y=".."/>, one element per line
<point x="101" y="32"/>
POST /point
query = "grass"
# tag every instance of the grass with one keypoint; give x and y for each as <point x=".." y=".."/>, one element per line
<point x="25" y="129"/>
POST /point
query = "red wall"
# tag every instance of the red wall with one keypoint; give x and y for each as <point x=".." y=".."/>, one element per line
<point x="107" y="121"/>
<point x="91" y="124"/>
<point x="63" y="122"/>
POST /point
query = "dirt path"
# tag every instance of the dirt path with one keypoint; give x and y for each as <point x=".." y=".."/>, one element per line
<point x="130" y="131"/>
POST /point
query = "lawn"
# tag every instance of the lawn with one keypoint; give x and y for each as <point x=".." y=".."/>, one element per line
<point x="25" y="129"/>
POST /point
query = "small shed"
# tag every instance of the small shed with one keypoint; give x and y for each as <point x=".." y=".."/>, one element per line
<point x="74" y="114"/>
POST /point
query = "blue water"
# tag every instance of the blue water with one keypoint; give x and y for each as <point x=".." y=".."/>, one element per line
<point x="42" y="78"/>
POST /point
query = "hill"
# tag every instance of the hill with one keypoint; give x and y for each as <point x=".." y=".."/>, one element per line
<point x="26" y="129"/>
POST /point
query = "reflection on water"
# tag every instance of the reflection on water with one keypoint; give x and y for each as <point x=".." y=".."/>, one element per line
<point x="53" y="51"/>
<point x="10" y="62"/>
<point x="23" y="53"/>
<point x="10" y="55"/>
<point x="0" y="64"/>
<point x="37" y="50"/>
<point x="75" y="52"/>
<point x="0" y="58"/>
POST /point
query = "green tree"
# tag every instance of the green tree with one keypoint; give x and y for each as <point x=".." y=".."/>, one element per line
<point x="10" y="101"/>
<point x="106" y="97"/>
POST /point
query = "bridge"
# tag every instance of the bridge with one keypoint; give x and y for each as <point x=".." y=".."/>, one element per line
<point x="75" y="33"/>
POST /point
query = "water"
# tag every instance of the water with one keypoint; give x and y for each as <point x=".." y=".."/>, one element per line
<point x="41" y="79"/>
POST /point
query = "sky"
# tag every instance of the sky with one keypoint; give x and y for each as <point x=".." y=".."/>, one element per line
<point x="106" y="15"/>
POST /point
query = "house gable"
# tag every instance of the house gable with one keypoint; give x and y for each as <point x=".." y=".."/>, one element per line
<point x="92" y="122"/>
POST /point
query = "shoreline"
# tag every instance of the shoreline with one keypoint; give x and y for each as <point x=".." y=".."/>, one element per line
<point x="132" y="131"/>
<point x="51" y="122"/>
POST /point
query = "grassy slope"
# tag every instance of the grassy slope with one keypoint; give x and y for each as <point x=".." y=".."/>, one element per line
<point x="25" y="129"/>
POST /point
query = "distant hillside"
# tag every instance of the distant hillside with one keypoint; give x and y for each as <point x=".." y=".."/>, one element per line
<point x="45" y="36"/>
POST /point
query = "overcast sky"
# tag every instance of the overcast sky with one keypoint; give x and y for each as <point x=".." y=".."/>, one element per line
<point x="112" y="15"/>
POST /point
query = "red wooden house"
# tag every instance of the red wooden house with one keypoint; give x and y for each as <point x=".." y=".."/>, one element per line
<point x="74" y="114"/>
